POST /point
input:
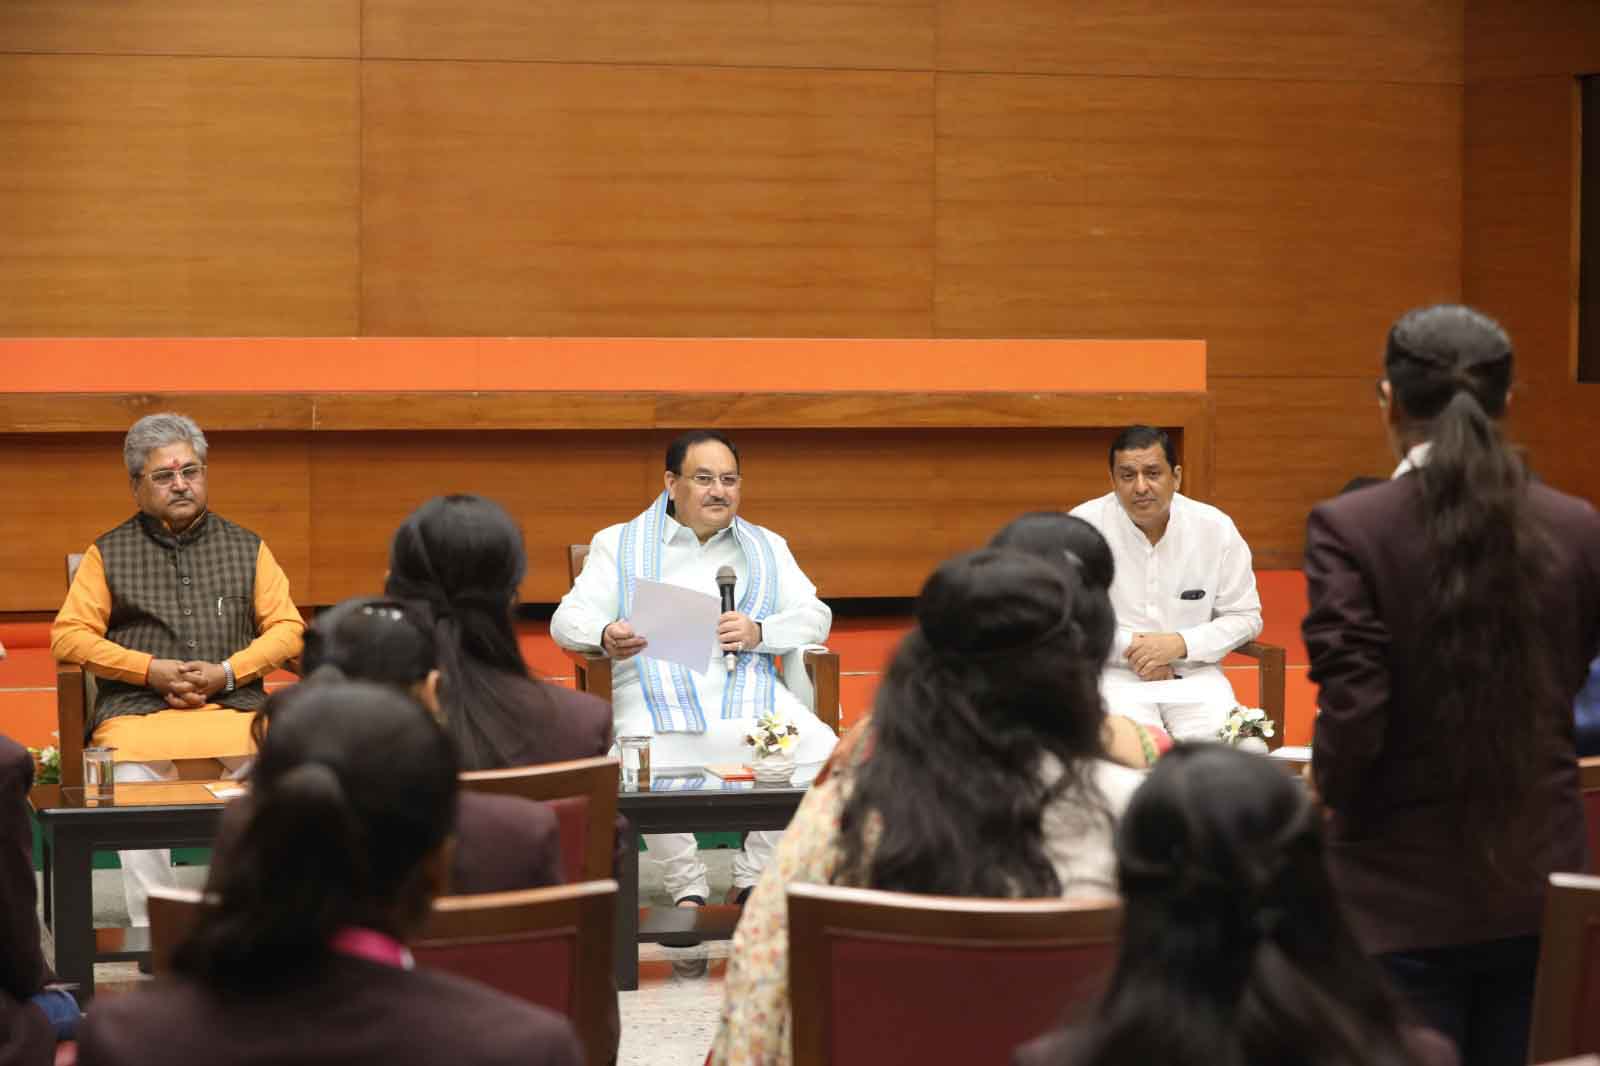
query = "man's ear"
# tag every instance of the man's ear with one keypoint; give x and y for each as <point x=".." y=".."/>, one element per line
<point x="1177" y="477"/>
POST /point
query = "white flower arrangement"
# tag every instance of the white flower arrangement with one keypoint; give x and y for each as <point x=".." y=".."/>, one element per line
<point x="773" y="735"/>
<point x="1246" y="722"/>
<point x="48" y="760"/>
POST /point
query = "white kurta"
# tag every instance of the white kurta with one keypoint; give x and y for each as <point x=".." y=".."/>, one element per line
<point x="799" y="619"/>
<point x="1203" y="555"/>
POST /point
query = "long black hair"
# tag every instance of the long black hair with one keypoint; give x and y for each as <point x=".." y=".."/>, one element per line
<point x="462" y="555"/>
<point x="1234" y="951"/>
<point x="1483" y="671"/>
<point x="1000" y="671"/>
<point x="353" y="787"/>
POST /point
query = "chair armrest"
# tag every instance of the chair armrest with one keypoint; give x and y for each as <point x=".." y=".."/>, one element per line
<point x="71" y="716"/>
<point x="1272" y="659"/>
<point x="592" y="672"/>
<point x="822" y="668"/>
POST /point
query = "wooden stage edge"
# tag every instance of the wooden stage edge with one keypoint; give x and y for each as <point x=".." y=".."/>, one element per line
<point x="433" y="410"/>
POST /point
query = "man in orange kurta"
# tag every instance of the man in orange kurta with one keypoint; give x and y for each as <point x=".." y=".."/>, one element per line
<point x="180" y="614"/>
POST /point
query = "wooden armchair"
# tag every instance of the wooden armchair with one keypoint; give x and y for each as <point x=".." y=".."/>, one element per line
<point x="812" y="674"/>
<point x="75" y="694"/>
<point x="967" y="980"/>
<point x="1270" y="660"/>
<point x="583" y="794"/>
<point x="1566" y="998"/>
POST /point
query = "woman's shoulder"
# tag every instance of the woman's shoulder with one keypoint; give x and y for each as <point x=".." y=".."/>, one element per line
<point x="582" y="722"/>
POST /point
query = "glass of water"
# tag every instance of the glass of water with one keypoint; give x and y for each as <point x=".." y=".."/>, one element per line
<point x="99" y="772"/>
<point x="635" y="762"/>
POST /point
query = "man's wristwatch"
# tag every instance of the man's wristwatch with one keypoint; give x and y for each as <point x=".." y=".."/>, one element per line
<point x="227" y="673"/>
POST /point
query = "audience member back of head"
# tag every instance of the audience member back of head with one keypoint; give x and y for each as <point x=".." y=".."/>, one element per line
<point x="1233" y="948"/>
<point x="300" y="958"/>
<point x="462" y="555"/>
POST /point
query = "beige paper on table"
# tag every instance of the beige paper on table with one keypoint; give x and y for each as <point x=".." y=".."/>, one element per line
<point x="679" y="624"/>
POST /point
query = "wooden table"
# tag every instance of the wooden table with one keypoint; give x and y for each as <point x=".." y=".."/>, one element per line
<point x="73" y="828"/>
<point x="690" y="800"/>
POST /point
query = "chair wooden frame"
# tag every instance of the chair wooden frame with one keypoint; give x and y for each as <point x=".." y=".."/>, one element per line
<point x="1271" y="662"/>
<point x="819" y="912"/>
<point x="595" y="779"/>
<point x="587" y="910"/>
<point x="1572" y="905"/>
<point x="75" y="693"/>
<point x="592" y="670"/>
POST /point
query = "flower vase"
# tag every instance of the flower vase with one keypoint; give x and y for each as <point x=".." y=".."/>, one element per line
<point x="1254" y="745"/>
<point x="773" y="769"/>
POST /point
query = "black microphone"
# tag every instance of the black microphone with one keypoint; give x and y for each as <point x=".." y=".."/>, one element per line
<point x="725" y="581"/>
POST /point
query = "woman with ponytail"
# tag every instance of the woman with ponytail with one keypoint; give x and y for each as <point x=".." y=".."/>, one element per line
<point x="503" y="843"/>
<point x="463" y="557"/>
<point x="1233" y="949"/>
<point x="979" y="773"/>
<point x="1454" y="611"/>
<point x="301" y="957"/>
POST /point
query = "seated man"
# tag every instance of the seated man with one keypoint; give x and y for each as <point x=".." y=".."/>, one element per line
<point x="1184" y="592"/>
<point x="33" y="1015"/>
<point x="682" y="538"/>
<point x="180" y="613"/>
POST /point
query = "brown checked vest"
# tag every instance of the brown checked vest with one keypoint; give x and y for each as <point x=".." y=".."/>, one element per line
<point x="185" y="597"/>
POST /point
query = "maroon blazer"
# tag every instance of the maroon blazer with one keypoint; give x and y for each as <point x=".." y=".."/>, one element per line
<point x="26" y="1037"/>
<point x="574" y="725"/>
<point x="348" y="1013"/>
<point x="1394" y="847"/>
<point x="503" y="843"/>
<point x="1063" y="1047"/>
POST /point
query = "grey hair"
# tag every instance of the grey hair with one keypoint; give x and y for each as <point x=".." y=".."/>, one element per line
<point x="158" y="431"/>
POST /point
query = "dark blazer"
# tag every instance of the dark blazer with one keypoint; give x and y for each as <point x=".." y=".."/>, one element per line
<point x="349" y="1013"/>
<point x="1394" y="847"/>
<point x="574" y="725"/>
<point x="503" y="843"/>
<point x="26" y="1037"/>
<point x="1063" y="1048"/>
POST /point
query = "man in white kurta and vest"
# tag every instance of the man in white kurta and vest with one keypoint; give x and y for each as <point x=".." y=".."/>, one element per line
<point x="1184" y="591"/>
<point x="180" y="614"/>
<point x="699" y="717"/>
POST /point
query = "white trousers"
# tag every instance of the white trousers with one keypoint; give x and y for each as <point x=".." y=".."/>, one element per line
<point x="144" y="870"/>
<point x="1199" y="719"/>
<point x="683" y="874"/>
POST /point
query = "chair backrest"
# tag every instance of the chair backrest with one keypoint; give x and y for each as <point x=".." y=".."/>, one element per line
<point x="1589" y="782"/>
<point x="577" y="555"/>
<point x="550" y="946"/>
<point x="971" y="978"/>
<point x="173" y="912"/>
<point x="1566" y="999"/>
<point x="583" y="794"/>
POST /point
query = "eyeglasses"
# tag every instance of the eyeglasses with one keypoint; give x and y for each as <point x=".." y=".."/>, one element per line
<point x="163" y="479"/>
<point x="705" y="481"/>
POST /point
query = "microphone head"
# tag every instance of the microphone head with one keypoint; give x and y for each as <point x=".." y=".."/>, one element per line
<point x="726" y="578"/>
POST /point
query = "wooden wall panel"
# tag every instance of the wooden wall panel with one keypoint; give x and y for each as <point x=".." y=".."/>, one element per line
<point x="1360" y="40"/>
<point x="533" y="199"/>
<point x="1518" y="39"/>
<point x="1283" y="445"/>
<point x="861" y="34"/>
<point x="1520" y="218"/>
<point x="307" y="28"/>
<point x="257" y="479"/>
<point x="157" y="196"/>
<point x="1286" y="223"/>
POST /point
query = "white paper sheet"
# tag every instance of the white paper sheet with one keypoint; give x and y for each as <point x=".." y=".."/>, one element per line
<point x="1178" y="690"/>
<point x="1293" y="753"/>
<point x="680" y="624"/>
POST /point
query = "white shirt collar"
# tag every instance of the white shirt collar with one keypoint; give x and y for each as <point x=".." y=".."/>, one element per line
<point x="1130" y="526"/>
<point x="1417" y="456"/>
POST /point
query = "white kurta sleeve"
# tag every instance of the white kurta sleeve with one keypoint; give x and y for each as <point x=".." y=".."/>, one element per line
<point x="801" y="618"/>
<point x="591" y="604"/>
<point x="1236" y="609"/>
